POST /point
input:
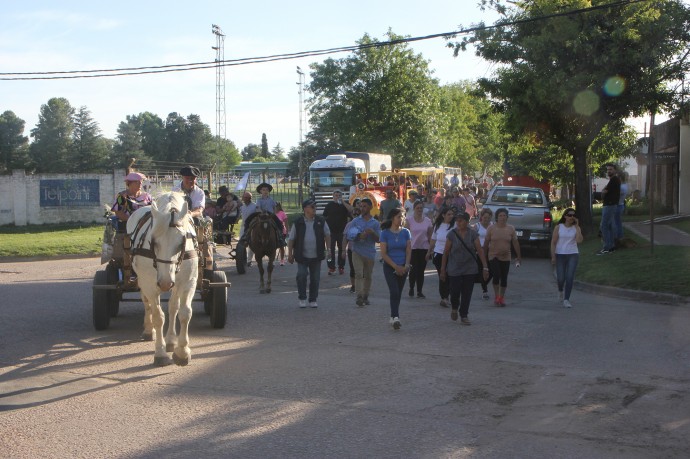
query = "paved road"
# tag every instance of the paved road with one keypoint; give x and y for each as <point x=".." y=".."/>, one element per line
<point x="608" y="378"/>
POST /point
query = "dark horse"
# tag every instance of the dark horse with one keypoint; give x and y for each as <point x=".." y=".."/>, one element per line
<point x="263" y="240"/>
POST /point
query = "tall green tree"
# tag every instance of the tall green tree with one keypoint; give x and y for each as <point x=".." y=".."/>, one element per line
<point x="199" y="141"/>
<point x="472" y="131"/>
<point x="562" y="80"/>
<point x="381" y="98"/>
<point x="278" y="153"/>
<point x="128" y="143"/>
<point x="13" y="143"/>
<point x="90" y="151"/>
<point x="265" y="153"/>
<point x="50" y="150"/>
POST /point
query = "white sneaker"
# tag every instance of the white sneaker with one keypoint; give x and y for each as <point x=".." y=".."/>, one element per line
<point x="395" y="322"/>
<point x="312" y="304"/>
<point x="560" y="296"/>
<point x="302" y="303"/>
<point x="485" y="295"/>
<point x="567" y="304"/>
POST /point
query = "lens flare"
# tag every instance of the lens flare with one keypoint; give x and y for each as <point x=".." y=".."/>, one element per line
<point x="586" y="102"/>
<point x="614" y="86"/>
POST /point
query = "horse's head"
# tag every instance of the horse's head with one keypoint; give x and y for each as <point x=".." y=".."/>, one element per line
<point x="170" y="227"/>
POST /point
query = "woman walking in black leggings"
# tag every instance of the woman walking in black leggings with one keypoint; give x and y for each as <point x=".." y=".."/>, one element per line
<point x="444" y="223"/>
<point x="420" y="227"/>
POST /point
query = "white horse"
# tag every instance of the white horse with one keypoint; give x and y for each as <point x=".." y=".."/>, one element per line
<point x="164" y="257"/>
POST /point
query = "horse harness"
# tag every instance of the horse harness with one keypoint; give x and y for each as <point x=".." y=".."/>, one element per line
<point x="143" y="227"/>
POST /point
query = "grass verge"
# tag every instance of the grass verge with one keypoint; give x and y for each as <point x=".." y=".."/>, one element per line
<point x="666" y="270"/>
<point x="50" y="240"/>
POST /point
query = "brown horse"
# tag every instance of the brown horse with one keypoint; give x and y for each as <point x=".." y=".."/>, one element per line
<point x="263" y="240"/>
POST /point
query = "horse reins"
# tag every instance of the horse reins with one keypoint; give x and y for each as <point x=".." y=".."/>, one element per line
<point x="151" y="252"/>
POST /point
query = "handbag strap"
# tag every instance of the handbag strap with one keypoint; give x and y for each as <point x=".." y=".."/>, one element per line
<point x="465" y="245"/>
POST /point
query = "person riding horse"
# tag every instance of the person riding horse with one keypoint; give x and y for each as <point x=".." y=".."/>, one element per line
<point x="265" y="204"/>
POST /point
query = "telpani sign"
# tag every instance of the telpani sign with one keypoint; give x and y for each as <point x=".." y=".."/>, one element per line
<point x="69" y="193"/>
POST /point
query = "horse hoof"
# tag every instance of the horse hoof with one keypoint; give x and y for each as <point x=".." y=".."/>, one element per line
<point x="169" y="347"/>
<point x="183" y="362"/>
<point x="268" y="290"/>
<point x="162" y="361"/>
<point x="147" y="336"/>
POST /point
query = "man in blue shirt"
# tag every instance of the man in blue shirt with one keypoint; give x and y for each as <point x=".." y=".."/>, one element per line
<point x="364" y="234"/>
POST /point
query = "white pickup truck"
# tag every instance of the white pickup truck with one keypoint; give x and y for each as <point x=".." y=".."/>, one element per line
<point x="529" y="211"/>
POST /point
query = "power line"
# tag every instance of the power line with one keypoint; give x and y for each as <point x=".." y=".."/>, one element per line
<point x="148" y="70"/>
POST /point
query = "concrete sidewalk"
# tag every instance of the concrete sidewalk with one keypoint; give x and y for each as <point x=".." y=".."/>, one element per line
<point x="663" y="234"/>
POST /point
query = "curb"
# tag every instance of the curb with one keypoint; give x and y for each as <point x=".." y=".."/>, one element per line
<point x="636" y="295"/>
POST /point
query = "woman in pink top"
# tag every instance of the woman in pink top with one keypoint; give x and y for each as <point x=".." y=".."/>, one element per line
<point x="421" y="227"/>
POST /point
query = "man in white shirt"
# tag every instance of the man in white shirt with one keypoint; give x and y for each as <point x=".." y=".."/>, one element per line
<point x="196" y="199"/>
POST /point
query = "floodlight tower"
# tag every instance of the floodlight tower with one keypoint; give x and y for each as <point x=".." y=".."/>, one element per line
<point x="300" y="166"/>
<point x="220" y="82"/>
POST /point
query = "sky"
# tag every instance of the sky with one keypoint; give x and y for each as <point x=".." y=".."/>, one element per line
<point x="47" y="36"/>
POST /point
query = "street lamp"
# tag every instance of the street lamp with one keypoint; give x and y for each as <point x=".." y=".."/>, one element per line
<point x="299" y="162"/>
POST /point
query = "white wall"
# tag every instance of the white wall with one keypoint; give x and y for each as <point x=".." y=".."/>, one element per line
<point x="21" y="204"/>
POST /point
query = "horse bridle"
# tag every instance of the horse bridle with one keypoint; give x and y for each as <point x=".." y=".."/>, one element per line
<point x="151" y="252"/>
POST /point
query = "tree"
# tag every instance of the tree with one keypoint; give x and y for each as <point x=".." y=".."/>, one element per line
<point x="128" y="143"/>
<point x="264" y="147"/>
<point x="278" y="153"/>
<point x="89" y="149"/>
<point x="565" y="79"/>
<point x="224" y="153"/>
<point x="471" y="129"/>
<point x="52" y="144"/>
<point x="13" y="142"/>
<point x="251" y="151"/>
<point x="381" y="98"/>
<point x="199" y="141"/>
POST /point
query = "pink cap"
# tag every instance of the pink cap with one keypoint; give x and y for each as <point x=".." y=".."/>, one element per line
<point x="135" y="177"/>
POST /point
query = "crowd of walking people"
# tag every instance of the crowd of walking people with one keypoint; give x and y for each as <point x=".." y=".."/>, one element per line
<point x="425" y="226"/>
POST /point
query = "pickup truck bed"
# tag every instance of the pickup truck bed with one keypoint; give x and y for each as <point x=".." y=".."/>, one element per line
<point x="529" y="211"/>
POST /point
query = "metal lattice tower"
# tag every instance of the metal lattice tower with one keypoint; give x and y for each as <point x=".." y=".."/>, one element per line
<point x="220" y="82"/>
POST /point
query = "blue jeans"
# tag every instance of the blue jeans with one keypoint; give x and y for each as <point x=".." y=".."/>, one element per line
<point x="608" y="226"/>
<point x="566" y="264"/>
<point x="619" y="220"/>
<point x="310" y="268"/>
<point x="396" y="284"/>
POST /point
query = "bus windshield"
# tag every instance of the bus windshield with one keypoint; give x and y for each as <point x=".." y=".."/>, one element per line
<point x="332" y="177"/>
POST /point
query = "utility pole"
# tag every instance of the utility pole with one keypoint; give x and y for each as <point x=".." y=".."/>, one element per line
<point x="651" y="167"/>
<point x="300" y="166"/>
<point x="220" y="84"/>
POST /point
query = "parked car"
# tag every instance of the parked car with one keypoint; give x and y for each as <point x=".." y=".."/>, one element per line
<point x="529" y="211"/>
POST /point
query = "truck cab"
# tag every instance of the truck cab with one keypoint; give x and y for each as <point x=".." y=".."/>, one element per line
<point x="334" y="173"/>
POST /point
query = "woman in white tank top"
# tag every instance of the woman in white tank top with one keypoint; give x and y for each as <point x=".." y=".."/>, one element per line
<point x="564" y="253"/>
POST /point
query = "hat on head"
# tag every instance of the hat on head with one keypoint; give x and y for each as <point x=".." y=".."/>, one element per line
<point x="464" y="215"/>
<point x="264" y="185"/>
<point x="223" y="189"/>
<point x="366" y="201"/>
<point x="190" y="171"/>
<point x="135" y="177"/>
<point x="308" y="202"/>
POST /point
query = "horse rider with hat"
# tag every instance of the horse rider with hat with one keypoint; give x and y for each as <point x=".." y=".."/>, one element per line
<point x="196" y="199"/>
<point x="265" y="203"/>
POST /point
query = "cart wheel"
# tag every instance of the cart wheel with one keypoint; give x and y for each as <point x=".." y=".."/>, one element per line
<point x="219" y="299"/>
<point x="241" y="258"/>
<point x="113" y="277"/>
<point x="101" y="301"/>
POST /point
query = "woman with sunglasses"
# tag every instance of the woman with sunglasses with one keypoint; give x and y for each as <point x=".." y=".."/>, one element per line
<point x="564" y="253"/>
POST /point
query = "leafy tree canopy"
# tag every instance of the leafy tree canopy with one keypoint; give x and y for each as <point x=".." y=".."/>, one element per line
<point x="381" y="98"/>
<point x="563" y="79"/>
<point x="13" y="143"/>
